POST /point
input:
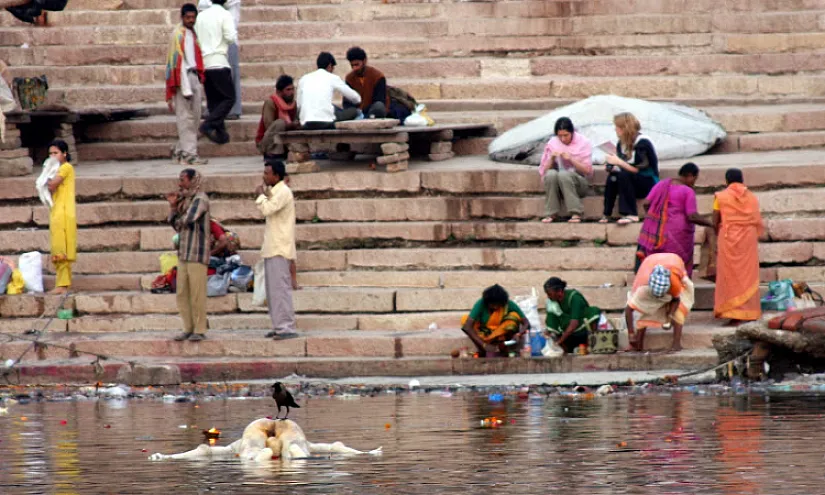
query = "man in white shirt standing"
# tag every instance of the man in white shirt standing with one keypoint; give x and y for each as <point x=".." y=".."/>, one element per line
<point x="234" y="8"/>
<point x="184" y="94"/>
<point x="215" y="28"/>
<point x="275" y="202"/>
<point x="315" y="92"/>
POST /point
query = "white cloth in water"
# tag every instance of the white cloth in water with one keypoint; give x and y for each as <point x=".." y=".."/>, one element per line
<point x="50" y="167"/>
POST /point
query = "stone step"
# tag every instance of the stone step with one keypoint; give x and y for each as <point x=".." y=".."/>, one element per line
<point x="774" y="122"/>
<point x="459" y="15"/>
<point x="462" y="176"/>
<point x="251" y="343"/>
<point x="738" y="85"/>
<point x="205" y="369"/>
<point x="415" y="68"/>
<point x="515" y="8"/>
<point x="312" y="300"/>
<point x="779" y="203"/>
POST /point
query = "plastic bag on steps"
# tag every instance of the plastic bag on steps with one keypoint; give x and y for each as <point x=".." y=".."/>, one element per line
<point x="31" y="267"/>
<point x="259" y="291"/>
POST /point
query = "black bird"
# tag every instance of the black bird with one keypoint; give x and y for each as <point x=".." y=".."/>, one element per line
<point x="283" y="399"/>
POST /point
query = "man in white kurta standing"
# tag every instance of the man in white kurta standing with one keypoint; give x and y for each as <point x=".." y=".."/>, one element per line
<point x="234" y="8"/>
<point x="215" y="28"/>
<point x="276" y="203"/>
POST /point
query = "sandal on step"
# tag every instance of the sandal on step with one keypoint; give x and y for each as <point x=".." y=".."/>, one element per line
<point x="575" y="219"/>
<point x="628" y="220"/>
<point x="548" y="220"/>
<point x="604" y="220"/>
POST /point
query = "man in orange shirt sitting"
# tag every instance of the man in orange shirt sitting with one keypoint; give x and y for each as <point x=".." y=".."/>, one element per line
<point x="368" y="82"/>
<point x="663" y="295"/>
<point x="279" y="114"/>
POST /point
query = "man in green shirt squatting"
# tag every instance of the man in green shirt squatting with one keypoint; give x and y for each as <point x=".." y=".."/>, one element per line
<point x="569" y="316"/>
<point x="493" y="321"/>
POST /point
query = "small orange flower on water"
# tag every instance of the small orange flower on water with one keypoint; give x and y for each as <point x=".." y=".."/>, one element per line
<point x="621" y="445"/>
<point x="23" y="418"/>
<point x="63" y="422"/>
<point x="387" y="426"/>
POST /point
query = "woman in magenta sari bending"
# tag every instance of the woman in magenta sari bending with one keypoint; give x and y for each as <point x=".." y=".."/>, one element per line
<point x="670" y="218"/>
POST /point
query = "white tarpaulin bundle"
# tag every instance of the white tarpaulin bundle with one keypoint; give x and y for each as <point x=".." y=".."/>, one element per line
<point x="676" y="131"/>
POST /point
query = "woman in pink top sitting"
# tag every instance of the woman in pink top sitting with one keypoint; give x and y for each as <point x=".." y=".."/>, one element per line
<point x="565" y="169"/>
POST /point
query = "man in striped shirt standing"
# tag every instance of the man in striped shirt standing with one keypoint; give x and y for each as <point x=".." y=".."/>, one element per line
<point x="189" y="215"/>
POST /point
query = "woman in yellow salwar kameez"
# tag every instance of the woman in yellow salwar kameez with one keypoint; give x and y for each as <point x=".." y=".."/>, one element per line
<point x="494" y="320"/>
<point x="63" y="217"/>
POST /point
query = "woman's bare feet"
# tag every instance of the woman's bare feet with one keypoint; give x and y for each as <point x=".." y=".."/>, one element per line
<point x="295" y="285"/>
<point x="548" y="220"/>
<point x="58" y="291"/>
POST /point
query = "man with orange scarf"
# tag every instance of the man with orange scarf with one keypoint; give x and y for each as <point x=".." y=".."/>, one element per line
<point x="184" y="93"/>
<point x="280" y="114"/>
<point x="738" y="225"/>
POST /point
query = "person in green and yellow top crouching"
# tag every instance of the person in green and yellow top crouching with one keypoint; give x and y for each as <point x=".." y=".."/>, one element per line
<point x="569" y="316"/>
<point x="493" y="321"/>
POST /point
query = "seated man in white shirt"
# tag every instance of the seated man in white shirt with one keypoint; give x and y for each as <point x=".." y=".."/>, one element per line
<point x="315" y="92"/>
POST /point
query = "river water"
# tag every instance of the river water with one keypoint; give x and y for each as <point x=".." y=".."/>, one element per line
<point x="653" y="443"/>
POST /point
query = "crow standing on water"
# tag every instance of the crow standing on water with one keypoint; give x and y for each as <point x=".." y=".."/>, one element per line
<point x="283" y="399"/>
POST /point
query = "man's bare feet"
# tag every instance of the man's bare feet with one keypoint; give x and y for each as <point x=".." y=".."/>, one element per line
<point x="295" y="286"/>
<point x="675" y="348"/>
<point x="58" y="291"/>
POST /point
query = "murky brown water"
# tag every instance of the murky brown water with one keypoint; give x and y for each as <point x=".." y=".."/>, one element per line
<point x="646" y="444"/>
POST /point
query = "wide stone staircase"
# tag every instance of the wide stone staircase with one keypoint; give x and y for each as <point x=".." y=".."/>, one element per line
<point x="754" y="65"/>
<point x="381" y="258"/>
<point x="384" y="256"/>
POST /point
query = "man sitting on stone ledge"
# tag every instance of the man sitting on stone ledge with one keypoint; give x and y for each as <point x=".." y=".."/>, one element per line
<point x="315" y="92"/>
<point x="370" y="83"/>
<point x="280" y="114"/>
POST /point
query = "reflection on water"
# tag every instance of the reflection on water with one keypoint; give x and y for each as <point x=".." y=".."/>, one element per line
<point x="675" y="443"/>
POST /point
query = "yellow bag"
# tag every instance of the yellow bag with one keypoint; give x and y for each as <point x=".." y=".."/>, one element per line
<point x="168" y="261"/>
<point x="16" y="284"/>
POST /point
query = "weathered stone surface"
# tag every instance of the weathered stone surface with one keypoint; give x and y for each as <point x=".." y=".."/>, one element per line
<point x="410" y="321"/>
<point x="532" y="231"/>
<point x="302" y="168"/>
<point x="476" y="279"/>
<point x="141" y="375"/>
<point x="478" y="182"/>
<point x="397" y="157"/>
<point x="438" y="157"/>
<point x="370" y="279"/>
<point x="578" y="258"/>
<point x="797" y="229"/>
<point x="441" y="147"/>
<point x="437" y="343"/>
<point x="471" y="146"/>
<point x="397" y="167"/>
<point x="390" y="209"/>
<point x="417" y="259"/>
<point x="124" y="323"/>
<point x="393" y="148"/>
<point x="350" y="345"/>
<point x="344" y="301"/>
<point x="793" y="252"/>
<point x="367" y="124"/>
<point x="20" y="325"/>
<point x="16" y="167"/>
<point x="136" y="303"/>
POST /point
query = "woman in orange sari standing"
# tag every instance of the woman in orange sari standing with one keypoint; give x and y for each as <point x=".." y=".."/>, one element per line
<point x="738" y="225"/>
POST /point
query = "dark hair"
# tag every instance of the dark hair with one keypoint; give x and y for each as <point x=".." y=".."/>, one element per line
<point x="734" y="175"/>
<point x="563" y="124"/>
<point x="277" y="166"/>
<point x="283" y="82"/>
<point x="188" y="7"/>
<point x="63" y="147"/>
<point x="356" y="53"/>
<point x="689" y="168"/>
<point x="555" y="283"/>
<point x="325" y="59"/>
<point x="219" y="2"/>
<point x="190" y="172"/>
<point x="495" y="295"/>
